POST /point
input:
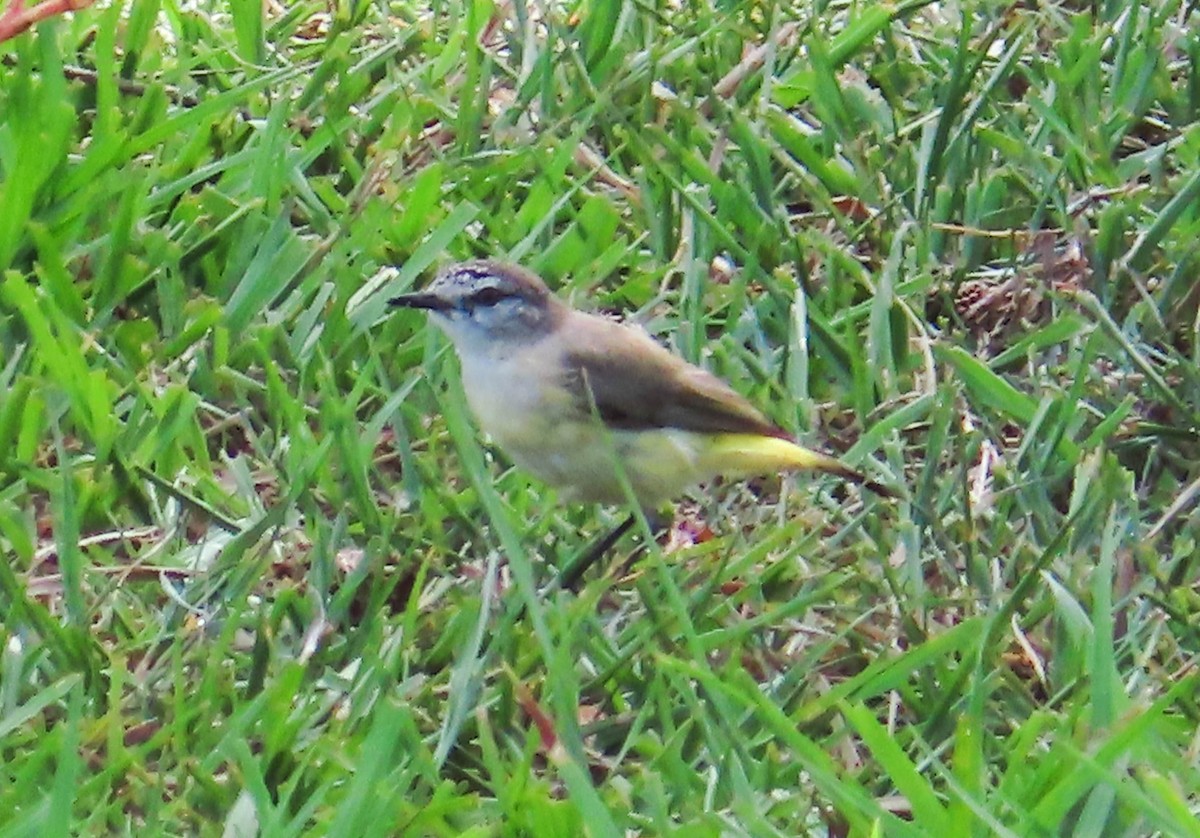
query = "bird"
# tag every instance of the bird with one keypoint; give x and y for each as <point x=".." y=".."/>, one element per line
<point x="594" y="407"/>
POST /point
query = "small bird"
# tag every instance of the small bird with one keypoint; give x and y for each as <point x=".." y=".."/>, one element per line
<point x="578" y="399"/>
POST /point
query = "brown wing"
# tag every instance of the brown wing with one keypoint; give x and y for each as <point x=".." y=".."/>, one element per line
<point x="636" y="384"/>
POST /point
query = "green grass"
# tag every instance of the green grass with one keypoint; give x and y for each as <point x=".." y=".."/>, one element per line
<point x="261" y="574"/>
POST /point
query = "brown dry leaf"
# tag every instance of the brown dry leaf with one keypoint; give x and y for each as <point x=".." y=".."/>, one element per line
<point x="999" y="305"/>
<point x="314" y="28"/>
<point x="141" y="732"/>
<point x="853" y="208"/>
<point x="541" y="719"/>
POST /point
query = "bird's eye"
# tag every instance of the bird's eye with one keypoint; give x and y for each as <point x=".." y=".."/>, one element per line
<point x="487" y="296"/>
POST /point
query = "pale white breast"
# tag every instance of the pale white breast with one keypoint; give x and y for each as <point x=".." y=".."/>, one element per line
<point x="507" y="395"/>
<point x="520" y="403"/>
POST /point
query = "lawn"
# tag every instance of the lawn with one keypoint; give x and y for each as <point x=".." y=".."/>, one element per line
<point x="262" y="575"/>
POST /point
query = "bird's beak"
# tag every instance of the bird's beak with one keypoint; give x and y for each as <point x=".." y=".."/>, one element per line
<point x="431" y="302"/>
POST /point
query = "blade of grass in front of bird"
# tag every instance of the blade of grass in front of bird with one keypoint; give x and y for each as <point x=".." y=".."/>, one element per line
<point x="558" y="659"/>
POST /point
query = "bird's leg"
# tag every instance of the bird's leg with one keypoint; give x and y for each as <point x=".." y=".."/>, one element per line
<point x="570" y="576"/>
<point x="572" y="573"/>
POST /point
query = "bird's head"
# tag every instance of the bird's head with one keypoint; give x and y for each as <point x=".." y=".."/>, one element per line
<point x="488" y="305"/>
